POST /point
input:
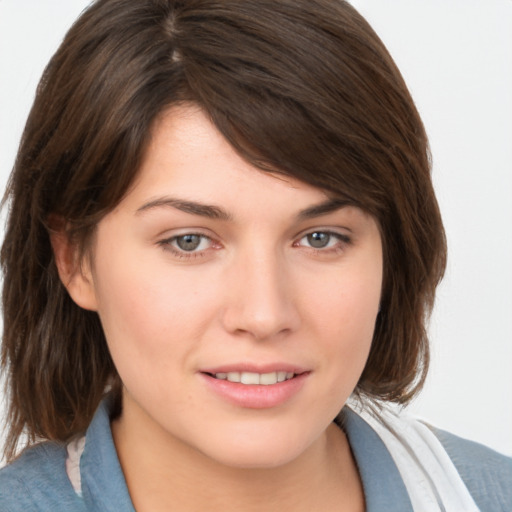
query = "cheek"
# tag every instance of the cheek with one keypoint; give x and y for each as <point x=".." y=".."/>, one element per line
<point x="154" y="316"/>
<point x="149" y="334"/>
<point x="342" y="313"/>
<point x="346" y="306"/>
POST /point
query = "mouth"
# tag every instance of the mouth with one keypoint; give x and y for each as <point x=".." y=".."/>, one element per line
<point x="256" y="390"/>
<point x="254" y="379"/>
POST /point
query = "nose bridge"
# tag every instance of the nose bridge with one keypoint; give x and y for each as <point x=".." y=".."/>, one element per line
<point x="260" y="301"/>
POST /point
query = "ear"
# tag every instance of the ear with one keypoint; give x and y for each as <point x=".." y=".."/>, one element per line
<point x="75" y="274"/>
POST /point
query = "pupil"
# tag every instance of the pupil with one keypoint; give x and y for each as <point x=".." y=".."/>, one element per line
<point x="188" y="242"/>
<point x="318" y="240"/>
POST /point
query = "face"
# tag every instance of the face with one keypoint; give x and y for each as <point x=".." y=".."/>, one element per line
<point x="238" y="306"/>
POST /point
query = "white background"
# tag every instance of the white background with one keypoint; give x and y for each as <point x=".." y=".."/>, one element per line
<point x="456" y="56"/>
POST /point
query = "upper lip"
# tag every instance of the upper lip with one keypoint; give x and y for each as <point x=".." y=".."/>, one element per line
<point x="255" y="368"/>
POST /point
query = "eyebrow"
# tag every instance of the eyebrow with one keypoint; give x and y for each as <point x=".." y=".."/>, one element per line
<point x="218" y="213"/>
<point x="192" y="207"/>
<point x="317" y="210"/>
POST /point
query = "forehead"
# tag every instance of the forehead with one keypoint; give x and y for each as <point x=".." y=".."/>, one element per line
<point x="189" y="158"/>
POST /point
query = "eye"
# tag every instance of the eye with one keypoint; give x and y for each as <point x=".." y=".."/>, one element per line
<point x="191" y="243"/>
<point x="323" y="240"/>
<point x="318" y="239"/>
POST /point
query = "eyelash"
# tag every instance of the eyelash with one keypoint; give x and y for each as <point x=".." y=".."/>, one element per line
<point x="342" y="241"/>
<point x="167" y="244"/>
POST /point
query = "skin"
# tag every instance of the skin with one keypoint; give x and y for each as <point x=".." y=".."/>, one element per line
<point x="254" y="291"/>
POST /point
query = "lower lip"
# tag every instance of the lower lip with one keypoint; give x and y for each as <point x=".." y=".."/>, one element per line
<point x="256" y="396"/>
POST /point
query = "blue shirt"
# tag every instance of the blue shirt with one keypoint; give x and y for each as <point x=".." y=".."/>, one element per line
<point x="37" y="480"/>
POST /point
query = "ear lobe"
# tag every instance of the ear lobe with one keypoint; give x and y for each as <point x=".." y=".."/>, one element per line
<point x="75" y="274"/>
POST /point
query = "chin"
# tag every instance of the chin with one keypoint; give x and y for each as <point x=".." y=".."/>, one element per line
<point x="257" y="451"/>
<point x="258" y="459"/>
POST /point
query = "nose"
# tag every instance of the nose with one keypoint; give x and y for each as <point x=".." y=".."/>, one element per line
<point x="260" y="299"/>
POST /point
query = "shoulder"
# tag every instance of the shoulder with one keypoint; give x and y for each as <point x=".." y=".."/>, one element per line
<point x="37" y="480"/>
<point x="433" y="464"/>
<point x="486" y="473"/>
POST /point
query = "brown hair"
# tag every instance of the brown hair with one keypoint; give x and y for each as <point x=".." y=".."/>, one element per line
<point x="304" y="87"/>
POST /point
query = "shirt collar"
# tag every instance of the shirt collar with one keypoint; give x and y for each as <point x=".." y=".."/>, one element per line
<point x="383" y="486"/>
<point x="103" y="485"/>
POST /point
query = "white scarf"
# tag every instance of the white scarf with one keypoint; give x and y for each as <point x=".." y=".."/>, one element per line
<point x="429" y="475"/>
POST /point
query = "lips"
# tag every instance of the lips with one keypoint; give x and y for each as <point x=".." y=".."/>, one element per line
<point x="251" y="387"/>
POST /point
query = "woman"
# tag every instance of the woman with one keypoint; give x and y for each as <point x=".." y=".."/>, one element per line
<point x="222" y="233"/>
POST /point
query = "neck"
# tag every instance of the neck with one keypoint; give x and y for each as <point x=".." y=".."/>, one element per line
<point x="166" y="474"/>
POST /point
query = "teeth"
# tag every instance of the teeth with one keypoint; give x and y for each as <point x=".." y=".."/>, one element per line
<point x="268" y="378"/>
<point x="265" y="379"/>
<point x="249" y="378"/>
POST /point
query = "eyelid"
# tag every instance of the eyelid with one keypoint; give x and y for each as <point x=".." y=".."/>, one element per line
<point x="166" y="242"/>
<point x="343" y="239"/>
<point x="342" y="233"/>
